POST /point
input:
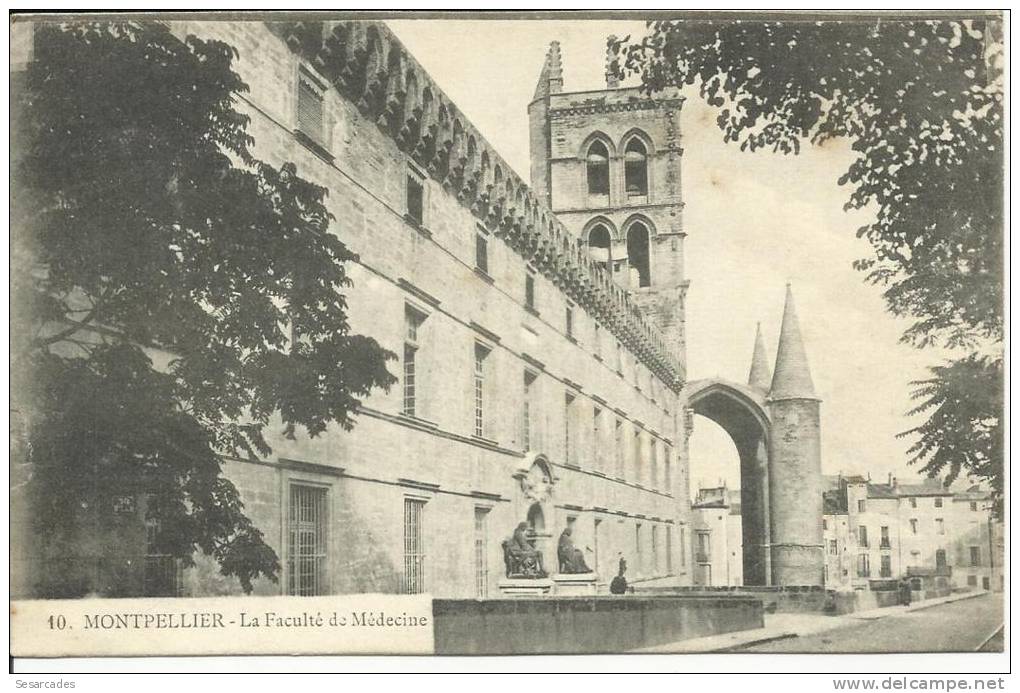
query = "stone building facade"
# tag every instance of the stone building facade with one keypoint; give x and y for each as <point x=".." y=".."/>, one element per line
<point x="716" y="542"/>
<point x="531" y="386"/>
<point x="876" y="531"/>
<point x="539" y="335"/>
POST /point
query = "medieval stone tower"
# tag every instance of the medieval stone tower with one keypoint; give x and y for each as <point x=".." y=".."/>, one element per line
<point x="795" y="462"/>
<point x="607" y="163"/>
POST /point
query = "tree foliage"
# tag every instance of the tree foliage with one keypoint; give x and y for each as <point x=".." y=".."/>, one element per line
<point x="921" y="104"/>
<point x="173" y="294"/>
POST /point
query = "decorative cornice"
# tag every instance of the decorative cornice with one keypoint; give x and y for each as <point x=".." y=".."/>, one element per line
<point x="369" y="67"/>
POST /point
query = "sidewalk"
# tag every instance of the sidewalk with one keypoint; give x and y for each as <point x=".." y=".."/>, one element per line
<point x="783" y="626"/>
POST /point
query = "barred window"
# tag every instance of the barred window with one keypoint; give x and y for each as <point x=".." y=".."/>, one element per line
<point x="307" y="541"/>
<point x="481" y="552"/>
<point x="414" y="547"/>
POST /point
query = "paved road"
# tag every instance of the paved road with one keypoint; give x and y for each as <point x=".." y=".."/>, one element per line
<point x="956" y="627"/>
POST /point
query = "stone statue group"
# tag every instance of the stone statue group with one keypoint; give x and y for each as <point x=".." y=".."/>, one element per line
<point x="523" y="560"/>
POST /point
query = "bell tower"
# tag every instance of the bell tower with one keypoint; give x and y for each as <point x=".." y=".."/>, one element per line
<point x="607" y="162"/>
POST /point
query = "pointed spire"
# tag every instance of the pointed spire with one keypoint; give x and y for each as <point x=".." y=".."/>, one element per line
<point x="551" y="79"/>
<point x="792" y="378"/>
<point x="760" y="376"/>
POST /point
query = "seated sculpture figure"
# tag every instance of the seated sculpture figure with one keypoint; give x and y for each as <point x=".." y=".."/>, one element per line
<point x="522" y="559"/>
<point x="571" y="558"/>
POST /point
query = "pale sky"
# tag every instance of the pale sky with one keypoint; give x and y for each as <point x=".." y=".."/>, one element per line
<point x="754" y="222"/>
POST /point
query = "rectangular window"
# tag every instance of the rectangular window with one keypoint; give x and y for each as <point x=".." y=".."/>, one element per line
<point x="595" y="546"/>
<point x="938" y="502"/>
<point x="414" y="547"/>
<point x="655" y="550"/>
<point x="598" y="339"/>
<point x="570" y="319"/>
<point x="972" y="580"/>
<point x="833" y="550"/>
<point x="683" y="546"/>
<point x="415" y="198"/>
<point x="940" y="526"/>
<point x="481" y="552"/>
<point x="667" y="463"/>
<point x="825" y="524"/>
<point x="412" y="323"/>
<point x="973" y="505"/>
<point x="669" y="550"/>
<point x="863" y="565"/>
<point x="480" y="355"/>
<point x="704" y="551"/>
<point x="913" y="502"/>
<point x="526" y="431"/>
<point x="596" y="438"/>
<point x="637" y="549"/>
<point x="618" y="448"/>
<point x="568" y="414"/>
<point x="884" y="539"/>
<point x="306" y="554"/>
<point x="861" y="505"/>
<point x="310" y="110"/>
<point x="637" y="456"/>
<point x="913" y="526"/>
<point x="163" y="572"/>
<point x="975" y="555"/>
<point x="529" y="291"/>
<point x="619" y="358"/>
<point x="885" y="568"/>
<point x="481" y="253"/>
<point x="862" y="536"/>
<point x="655" y="463"/>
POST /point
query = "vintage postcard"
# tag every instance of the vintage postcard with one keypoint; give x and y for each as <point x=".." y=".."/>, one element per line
<point x="507" y="334"/>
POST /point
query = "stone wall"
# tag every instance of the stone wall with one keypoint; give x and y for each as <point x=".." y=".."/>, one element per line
<point x="577" y="625"/>
<point x="775" y="599"/>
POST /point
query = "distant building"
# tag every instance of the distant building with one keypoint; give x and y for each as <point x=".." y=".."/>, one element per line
<point x="718" y="550"/>
<point x="881" y="531"/>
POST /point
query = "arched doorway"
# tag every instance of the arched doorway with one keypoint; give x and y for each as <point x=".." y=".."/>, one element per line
<point x="740" y="411"/>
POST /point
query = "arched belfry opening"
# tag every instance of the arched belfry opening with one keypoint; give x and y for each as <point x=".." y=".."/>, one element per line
<point x="741" y="413"/>
<point x="635" y="168"/>
<point x="637" y="255"/>
<point x="600" y="244"/>
<point x="597" y="166"/>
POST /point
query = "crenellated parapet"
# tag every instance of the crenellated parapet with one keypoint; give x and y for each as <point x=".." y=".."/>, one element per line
<point x="369" y="66"/>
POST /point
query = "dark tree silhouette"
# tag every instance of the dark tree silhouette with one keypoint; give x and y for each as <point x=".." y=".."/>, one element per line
<point x="921" y="104"/>
<point x="173" y="295"/>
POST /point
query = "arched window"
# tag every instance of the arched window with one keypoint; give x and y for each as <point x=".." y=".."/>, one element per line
<point x="635" y="168"/>
<point x="600" y="245"/>
<point x="597" y="163"/>
<point x="637" y="255"/>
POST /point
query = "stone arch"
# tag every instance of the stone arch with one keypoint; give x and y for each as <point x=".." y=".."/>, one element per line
<point x="596" y="154"/>
<point x="638" y="232"/>
<point x="599" y="233"/>
<point x="741" y="412"/>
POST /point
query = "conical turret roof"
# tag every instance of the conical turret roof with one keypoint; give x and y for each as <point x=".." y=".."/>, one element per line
<point x="760" y="376"/>
<point x="792" y="377"/>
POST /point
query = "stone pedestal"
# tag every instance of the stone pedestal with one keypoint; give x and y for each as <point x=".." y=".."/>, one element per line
<point x="574" y="585"/>
<point x="525" y="587"/>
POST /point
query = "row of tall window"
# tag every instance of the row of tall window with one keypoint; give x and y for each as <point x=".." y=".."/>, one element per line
<point x="645" y="465"/>
<point x="635" y="168"/>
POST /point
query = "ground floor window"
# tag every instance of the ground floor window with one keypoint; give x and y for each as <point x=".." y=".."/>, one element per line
<point x="863" y="565"/>
<point x="306" y="550"/>
<point x="164" y="574"/>
<point x="481" y="552"/>
<point x="414" y="548"/>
